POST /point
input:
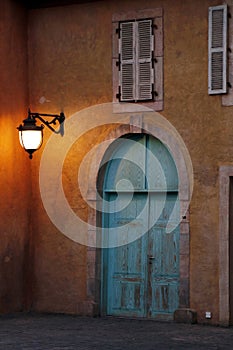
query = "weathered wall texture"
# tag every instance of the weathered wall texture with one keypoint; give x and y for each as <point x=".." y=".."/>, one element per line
<point x="15" y="180"/>
<point x="70" y="66"/>
<point x="69" y="49"/>
<point x="204" y="125"/>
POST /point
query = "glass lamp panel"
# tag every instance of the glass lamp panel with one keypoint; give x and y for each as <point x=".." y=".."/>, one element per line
<point x="30" y="139"/>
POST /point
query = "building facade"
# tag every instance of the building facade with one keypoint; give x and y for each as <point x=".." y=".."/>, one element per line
<point x="128" y="213"/>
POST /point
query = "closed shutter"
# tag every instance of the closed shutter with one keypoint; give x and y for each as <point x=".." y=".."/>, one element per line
<point x="127" y="55"/>
<point x="144" y="74"/>
<point x="217" y="79"/>
<point x="135" y="51"/>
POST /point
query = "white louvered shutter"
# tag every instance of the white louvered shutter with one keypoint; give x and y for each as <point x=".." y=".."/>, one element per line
<point x="217" y="78"/>
<point x="136" y="50"/>
<point x="144" y="69"/>
<point x="127" y="57"/>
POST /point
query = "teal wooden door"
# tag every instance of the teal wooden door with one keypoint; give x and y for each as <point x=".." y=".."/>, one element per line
<point x="140" y="274"/>
<point x="163" y="265"/>
<point x="127" y="270"/>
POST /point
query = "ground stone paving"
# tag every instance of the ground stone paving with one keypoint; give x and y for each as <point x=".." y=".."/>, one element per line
<point x="55" y="332"/>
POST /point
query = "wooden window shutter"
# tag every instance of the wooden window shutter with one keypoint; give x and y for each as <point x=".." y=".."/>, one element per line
<point x="144" y="70"/>
<point x="217" y="44"/>
<point x="127" y="60"/>
<point x="135" y="51"/>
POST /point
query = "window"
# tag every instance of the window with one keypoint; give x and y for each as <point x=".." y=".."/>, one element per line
<point x="138" y="59"/>
<point x="136" y="75"/>
<point x="217" y="79"/>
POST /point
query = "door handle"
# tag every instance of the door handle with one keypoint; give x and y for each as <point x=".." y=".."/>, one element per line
<point x="150" y="257"/>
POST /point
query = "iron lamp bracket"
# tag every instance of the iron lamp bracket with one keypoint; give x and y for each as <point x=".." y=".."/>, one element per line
<point x="60" y="118"/>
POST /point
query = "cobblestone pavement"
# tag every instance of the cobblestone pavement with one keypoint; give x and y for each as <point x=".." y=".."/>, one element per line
<point x="53" y="332"/>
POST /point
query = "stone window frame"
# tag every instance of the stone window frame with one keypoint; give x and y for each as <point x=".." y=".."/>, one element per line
<point x="157" y="16"/>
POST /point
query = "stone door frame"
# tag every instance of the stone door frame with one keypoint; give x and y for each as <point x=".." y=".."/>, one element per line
<point x="225" y="172"/>
<point x="162" y="130"/>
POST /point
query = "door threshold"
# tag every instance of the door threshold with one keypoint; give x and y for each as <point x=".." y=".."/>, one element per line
<point x="164" y="319"/>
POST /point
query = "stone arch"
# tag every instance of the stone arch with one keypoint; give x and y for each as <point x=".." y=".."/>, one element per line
<point x="155" y="124"/>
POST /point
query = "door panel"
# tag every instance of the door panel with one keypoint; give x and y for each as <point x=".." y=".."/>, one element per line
<point x="127" y="263"/>
<point x="161" y="172"/>
<point x="164" y="266"/>
<point x="128" y="164"/>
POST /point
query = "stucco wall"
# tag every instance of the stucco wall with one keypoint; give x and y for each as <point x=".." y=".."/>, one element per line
<point x="70" y="65"/>
<point x="15" y="180"/>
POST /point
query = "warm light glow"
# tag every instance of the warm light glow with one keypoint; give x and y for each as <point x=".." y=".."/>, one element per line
<point x="30" y="139"/>
<point x="31" y="135"/>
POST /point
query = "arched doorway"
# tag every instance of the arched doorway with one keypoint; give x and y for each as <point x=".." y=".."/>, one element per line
<point x="140" y="229"/>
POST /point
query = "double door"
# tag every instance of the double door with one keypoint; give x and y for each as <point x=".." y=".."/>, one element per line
<point x="141" y="265"/>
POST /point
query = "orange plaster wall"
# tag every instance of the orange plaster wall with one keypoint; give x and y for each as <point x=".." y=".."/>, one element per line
<point x="63" y="55"/>
<point x="70" y="65"/>
<point x="15" y="180"/>
<point x="206" y="130"/>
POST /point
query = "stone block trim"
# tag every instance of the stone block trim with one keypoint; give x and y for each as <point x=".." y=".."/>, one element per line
<point x="185" y="316"/>
<point x="225" y="172"/>
<point x="87" y="308"/>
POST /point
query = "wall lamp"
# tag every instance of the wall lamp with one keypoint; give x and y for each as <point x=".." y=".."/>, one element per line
<point x="31" y="135"/>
